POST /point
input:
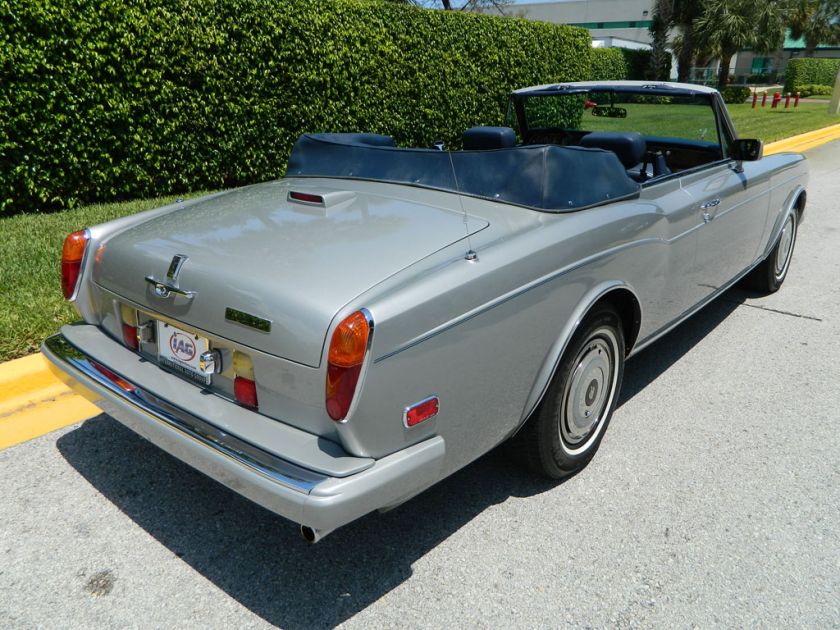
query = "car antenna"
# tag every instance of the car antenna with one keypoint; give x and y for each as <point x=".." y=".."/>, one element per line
<point x="471" y="255"/>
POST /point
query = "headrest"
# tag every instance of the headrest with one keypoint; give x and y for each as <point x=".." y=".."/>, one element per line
<point x="484" y="138"/>
<point x="628" y="146"/>
<point x="367" y="139"/>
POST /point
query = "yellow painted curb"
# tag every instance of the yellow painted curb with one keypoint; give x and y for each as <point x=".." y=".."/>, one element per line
<point x="34" y="402"/>
<point x="804" y="141"/>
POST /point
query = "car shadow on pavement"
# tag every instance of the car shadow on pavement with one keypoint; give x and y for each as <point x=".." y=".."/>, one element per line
<point x="260" y="560"/>
<point x="645" y="367"/>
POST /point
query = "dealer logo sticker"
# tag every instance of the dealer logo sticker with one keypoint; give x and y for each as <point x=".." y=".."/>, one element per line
<point x="182" y="347"/>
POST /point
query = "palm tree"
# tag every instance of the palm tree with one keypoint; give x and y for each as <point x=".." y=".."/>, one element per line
<point x="727" y="26"/>
<point x="668" y="15"/>
<point x="661" y="23"/>
<point x="817" y="21"/>
<point x="685" y="13"/>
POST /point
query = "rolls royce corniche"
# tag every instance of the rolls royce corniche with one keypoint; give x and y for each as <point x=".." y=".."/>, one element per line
<point x="335" y="342"/>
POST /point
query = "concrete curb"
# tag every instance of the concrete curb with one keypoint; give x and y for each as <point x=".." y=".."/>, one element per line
<point x="34" y="402"/>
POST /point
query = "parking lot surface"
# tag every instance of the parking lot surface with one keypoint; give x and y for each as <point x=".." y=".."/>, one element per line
<point x="713" y="502"/>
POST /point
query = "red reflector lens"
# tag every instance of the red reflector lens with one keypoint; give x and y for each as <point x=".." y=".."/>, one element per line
<point x="306" y="197"/>
<point x="71" y="261"/>
<point x="245" y="391"/>
<point x="119" y="382"/>
<point x="130" y="336"/>
<point x="422" y="411"/>
<point x="341" y="385"/>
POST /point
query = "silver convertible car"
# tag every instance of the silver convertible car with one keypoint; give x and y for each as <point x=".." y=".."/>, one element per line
<point x="334" y="342"/>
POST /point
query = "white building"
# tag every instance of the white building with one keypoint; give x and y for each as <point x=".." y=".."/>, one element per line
<point x="625" y="20"/>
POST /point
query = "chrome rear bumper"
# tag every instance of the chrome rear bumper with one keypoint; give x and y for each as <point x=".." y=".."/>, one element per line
<point x="296" y="492"/>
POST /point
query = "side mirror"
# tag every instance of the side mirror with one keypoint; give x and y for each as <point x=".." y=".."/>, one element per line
<point x="747" y="150"/>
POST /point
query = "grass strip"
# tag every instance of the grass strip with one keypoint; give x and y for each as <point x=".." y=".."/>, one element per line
<point x="769" y="125"/>
<point x="31" y="304"/>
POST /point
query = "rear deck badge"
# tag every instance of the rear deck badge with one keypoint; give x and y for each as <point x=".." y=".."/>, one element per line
<point x="246" y="319"/>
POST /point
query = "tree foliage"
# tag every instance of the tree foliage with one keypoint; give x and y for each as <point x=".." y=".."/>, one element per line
<point x="815" y="21"/>
<point x="661" y="23"/>
<point x="727" y="26"/>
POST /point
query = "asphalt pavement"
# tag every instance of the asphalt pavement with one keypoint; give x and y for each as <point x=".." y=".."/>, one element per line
<point x="714" y="501"/>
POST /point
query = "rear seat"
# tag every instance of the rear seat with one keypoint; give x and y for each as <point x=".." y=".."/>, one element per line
<point x="629" y="147"/>
<point x="487" y="138"/>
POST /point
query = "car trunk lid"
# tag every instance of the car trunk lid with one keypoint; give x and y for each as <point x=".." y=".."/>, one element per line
<point x="293" y="263"/>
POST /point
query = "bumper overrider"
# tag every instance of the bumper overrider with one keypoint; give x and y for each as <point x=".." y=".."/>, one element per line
<point x="293" y="487"/>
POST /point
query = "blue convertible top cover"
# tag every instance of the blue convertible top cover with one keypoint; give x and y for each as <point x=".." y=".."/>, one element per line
<point x="545" y="177"/>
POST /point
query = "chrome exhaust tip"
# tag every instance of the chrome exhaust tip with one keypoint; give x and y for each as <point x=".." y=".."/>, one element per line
<point x="312" y="535"/>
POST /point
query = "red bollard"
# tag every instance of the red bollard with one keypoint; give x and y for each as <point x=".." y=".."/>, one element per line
<point x="796" y="100"/>
<point x="787" y="100"/>
<point x="776" y="98"/>
<point x="764" y="99"/>
<point x="755" y="98"/>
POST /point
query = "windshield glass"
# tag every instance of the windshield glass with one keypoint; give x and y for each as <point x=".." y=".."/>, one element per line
<point x="684" y="117"/>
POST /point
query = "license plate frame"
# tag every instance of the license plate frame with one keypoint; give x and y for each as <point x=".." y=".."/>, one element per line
<point x="179" y="350"/>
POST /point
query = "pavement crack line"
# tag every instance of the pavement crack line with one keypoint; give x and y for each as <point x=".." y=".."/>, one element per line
<point x="775" y="310"/>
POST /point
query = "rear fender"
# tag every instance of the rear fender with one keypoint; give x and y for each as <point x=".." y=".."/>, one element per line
<point x="552" y="360"/>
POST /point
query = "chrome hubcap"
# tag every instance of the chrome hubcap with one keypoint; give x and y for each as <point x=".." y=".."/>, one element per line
<point x="589" y="391"/>
<point x="784" y="248"/>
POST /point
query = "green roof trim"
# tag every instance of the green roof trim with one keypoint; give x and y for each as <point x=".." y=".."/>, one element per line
<point x="799" y="44"/>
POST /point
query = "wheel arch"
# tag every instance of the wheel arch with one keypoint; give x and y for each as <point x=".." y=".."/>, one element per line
<point x="625" y="301"/>
<point x="799" y="204"/>
<point x="795" y="202"/>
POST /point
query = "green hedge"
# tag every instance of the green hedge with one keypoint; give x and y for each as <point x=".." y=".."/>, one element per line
<point x="810" y="71"/>
<point x="735" y="94"/>
<point x="813" y="90"/>
<point x="608" y="64"/>
<point x="120" y="99"/>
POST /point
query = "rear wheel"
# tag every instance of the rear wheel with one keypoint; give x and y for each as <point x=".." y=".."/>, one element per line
<point x="566" y="430"/>
<point x="770" y="273"/>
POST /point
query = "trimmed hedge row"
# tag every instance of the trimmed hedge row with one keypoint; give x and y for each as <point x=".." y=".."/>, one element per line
<point x="813" y="90"/>
<point x="810" y="71"/>
<point x="608" y="64"/>
<point x="735" y="94"/>
<point x="121" y="99"/>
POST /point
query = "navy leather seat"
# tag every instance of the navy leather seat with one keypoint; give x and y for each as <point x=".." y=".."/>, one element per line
<point x="486" y="138"/>
<point x="628" y="146"/>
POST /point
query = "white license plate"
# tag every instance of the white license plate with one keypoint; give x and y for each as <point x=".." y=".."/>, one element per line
<point x="180" y="350"/>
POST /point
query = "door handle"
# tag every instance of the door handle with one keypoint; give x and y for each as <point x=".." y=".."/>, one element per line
<point x="708" y="216"/>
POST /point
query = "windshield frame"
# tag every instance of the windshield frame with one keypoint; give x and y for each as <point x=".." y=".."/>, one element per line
<point x="726" y="132"/>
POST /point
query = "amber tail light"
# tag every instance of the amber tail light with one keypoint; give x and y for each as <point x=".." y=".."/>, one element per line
<point x="348" y="348"/>
<point x="71" y="261"/>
